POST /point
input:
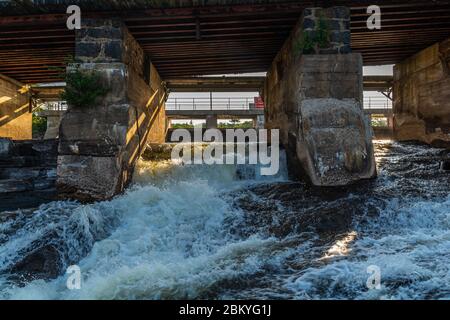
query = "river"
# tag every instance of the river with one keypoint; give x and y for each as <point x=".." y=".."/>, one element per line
<point x="223" y="232"/>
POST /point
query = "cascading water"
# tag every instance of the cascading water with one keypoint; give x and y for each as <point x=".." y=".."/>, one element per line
<point x="221" y="231"/>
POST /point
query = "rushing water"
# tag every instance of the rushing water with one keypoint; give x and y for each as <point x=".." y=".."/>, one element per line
<point x="222" y="232"/>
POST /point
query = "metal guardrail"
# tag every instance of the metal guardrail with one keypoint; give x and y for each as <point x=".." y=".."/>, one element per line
<point x="248" y="103"/>
<point x="210" y="104"/>
<point x="51" y="105"/>
<point x="377" y="103"/>
<point x="56" y="106"/>
<point x="220" y="104"/>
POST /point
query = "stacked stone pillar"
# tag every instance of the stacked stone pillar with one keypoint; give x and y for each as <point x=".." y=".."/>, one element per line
<point x="99" y="144"/>
<point x="314" y="94"/>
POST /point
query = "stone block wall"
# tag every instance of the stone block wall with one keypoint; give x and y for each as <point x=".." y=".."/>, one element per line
<point x="99" y="145"/>
<point x="316" y="100"/>
<point x="337" y="22"/>
<point x="422" y="96"/>
<point x="15" y="118"/>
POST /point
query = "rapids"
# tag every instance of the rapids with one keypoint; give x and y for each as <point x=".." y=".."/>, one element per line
<point x="224" y="232"/>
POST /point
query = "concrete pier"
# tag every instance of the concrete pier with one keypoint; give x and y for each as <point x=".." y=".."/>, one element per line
<point x="316" y="100"/>
<point x="211" y="121"/>
<point x="100" y="144"/>
<point x="422" y="96"/>
<point x="53" y="122"/>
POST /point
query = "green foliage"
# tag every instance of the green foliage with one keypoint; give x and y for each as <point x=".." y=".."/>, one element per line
<point x="39" y="126"/>
<point x="182" y="126"/>
<point x="83" y="88"/>
<point x="322" y="33"/>
<point x="236" y="125"/>
<point x="308" y="44"/>
<point x="304" y="45"/>
<point x="379" y="122"/>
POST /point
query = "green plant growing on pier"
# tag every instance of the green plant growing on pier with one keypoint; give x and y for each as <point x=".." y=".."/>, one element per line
<point x="83" y="88"/>
<point x="309" y="44"/>
<point x="39" y="126"/>
<point x="304" y="45"/>
<point x="322" y="33"/>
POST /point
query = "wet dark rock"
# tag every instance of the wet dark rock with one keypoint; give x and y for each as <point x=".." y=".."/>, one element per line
<point x="284" y="209"/>
<point x="312" y="221"/>
<point x="42" y="263"/>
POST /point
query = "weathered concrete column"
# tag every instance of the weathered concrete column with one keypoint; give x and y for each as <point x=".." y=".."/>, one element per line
<point x="422" y="96"/>
<point x="314" y="94"/>
<point x="390" y="121"/>
<point x="99" y="145"/>
<point x="211" y="122"/>
<point x="53" y="121"/>
<point x="260" y="122"/>
<point x="15" y="117"/>
<point x="255" y="122"/>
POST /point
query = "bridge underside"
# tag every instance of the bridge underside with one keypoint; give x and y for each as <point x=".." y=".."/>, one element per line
<point x="185" y="40"/>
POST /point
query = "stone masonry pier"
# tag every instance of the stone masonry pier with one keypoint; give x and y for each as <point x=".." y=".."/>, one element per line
<point x="99" y="145"/>
<point x="316" y="100"/>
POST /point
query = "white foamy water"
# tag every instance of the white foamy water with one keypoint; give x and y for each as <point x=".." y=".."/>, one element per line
<point x="408" y="242"/>
<point x="164" y="238"/>
<point x="179" y="232"/>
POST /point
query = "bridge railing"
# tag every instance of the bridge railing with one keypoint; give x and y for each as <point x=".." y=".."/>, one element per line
<point x="210" y="104"/>
<point x="220" y="104"/>
<point x="56" y="106"/>
<point x="377" y="103"/>
<point x="51" y="105"/>
<point x="248" y="103"/>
